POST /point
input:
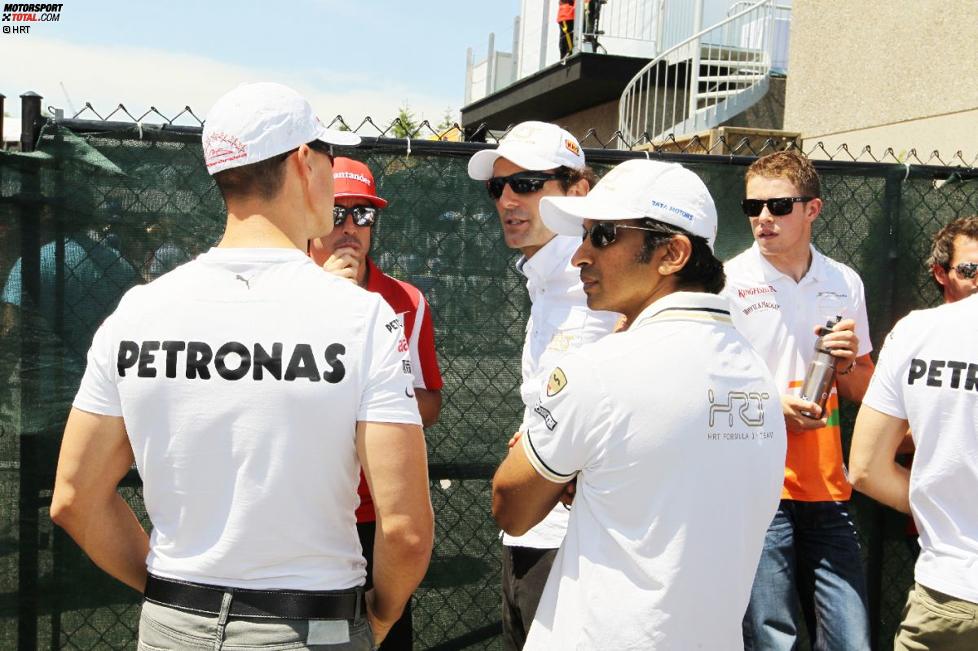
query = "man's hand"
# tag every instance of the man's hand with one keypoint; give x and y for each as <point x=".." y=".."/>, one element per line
<point x="380" y="627"/>
<point x="793" y="407"/>
<point x="842" y="343"/>
<point x="343" y="263"/>
<point x="514" y="439"/>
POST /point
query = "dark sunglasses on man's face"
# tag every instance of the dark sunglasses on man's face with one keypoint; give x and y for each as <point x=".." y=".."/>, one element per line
<point x="966" y="269"/>
<point x="778" y="206"/>
<point x="362" y="215"/>
<point x="322" y="148"/>
<point x="603" y="234"/>
<point x="520" y="183"/>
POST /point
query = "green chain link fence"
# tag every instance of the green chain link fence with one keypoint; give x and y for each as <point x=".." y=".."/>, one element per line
<point x="101" y="206"/>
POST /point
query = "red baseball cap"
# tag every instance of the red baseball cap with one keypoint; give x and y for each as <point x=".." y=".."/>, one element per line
<point x="352" y="178"/>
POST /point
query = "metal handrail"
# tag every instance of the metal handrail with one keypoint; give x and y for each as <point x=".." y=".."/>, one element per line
<point x="647" y="109"/>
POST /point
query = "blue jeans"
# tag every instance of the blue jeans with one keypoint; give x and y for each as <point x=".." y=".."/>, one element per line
<point x="811" y="554"/>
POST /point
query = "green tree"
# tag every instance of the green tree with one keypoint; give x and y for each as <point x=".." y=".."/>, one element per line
<point x="447" y="122"/>
<point x="405" y="125"/>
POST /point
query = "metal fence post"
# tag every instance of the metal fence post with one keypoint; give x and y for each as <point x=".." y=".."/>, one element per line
<point x="892" y="194"/>
<point x="29" y="484"/>
<point x="30" y="120"/>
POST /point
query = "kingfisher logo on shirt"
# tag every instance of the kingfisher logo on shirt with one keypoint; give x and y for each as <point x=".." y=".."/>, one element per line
<point x="756" y="291"/>
<point x="195" y="360"/>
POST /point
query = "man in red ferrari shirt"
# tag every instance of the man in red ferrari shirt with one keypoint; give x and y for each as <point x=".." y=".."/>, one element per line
<point x="346" y="252"/>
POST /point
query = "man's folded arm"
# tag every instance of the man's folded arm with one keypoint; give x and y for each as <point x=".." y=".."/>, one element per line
<point x="95" y="456"/>
<point x="521" y="496"/>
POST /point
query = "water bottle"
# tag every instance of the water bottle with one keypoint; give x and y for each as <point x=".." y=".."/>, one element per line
<point x="821" y="371"/>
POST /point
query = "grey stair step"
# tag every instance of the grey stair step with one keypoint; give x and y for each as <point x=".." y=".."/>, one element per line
<point x="719" y="94"/>
<point x="731" y="63"/>
<point x="730" y="78"/>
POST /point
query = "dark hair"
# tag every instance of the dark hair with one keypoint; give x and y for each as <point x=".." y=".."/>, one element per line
<point x="942" y="251"/>
<point x="789" y="165"/>
<point x="568" y="176"/>
<point x="703" y="271"/>
<point x="261" y="180"/>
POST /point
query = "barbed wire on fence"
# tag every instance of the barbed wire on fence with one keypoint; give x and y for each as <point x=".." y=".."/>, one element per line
<point x="481" y="133"/>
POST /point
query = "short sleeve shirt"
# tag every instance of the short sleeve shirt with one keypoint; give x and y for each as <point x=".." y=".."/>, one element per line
<point x="928" y="374"/>
<point x="778" y="316"/>
<point x="673" y="430"/>
<point x="241" y="377"/>
<point x="560" y="321"/>
<point x="414" y="313"/>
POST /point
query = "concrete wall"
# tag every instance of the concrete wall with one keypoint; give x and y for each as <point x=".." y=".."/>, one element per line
<point x="603" y="118"/>
<point x="885" y="73"/>
<point x="768" y="113"/>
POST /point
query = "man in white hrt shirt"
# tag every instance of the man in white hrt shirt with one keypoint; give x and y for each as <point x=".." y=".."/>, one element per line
<point x="672" y="430"/>
<point x="248" y="387"/>
<point x="536" y="160"/>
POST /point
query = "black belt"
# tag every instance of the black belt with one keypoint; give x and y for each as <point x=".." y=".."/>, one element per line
<point x="268" y="604"/>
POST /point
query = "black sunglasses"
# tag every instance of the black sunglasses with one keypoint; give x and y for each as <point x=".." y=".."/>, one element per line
<point x="322" y="148"/>
<point x="603" y="234"/>
<point x="520" y="182"/>
<point x="362" y="215"/>
<point x="966" y="269"/>
<point x="778" y="206"/>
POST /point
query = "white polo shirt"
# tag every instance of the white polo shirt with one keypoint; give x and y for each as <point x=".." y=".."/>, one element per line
<point x="241" y="376"/>
<point x="778" y="316"/>
<point x="928" y="374"/>
<point x="559" y="322"/>
<point x="674" y="432"/>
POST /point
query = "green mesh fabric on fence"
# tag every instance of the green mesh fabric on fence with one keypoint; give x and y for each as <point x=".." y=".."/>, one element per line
<point x="97" y="211"/>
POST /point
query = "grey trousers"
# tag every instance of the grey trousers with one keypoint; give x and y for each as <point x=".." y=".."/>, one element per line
<point x="162" y="628"/>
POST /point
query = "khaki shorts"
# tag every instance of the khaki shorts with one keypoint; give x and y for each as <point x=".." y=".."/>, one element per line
<point x="162" y="628"/>
<point x="934" y="620"/>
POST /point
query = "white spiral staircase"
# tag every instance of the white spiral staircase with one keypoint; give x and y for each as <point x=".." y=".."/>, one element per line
<point x="703" y="81"/>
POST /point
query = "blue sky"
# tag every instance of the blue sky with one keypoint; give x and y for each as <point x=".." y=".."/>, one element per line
<point x="355" y="58"/>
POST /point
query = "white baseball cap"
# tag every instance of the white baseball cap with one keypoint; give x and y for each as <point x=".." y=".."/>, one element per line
<point x="254" y="122"/>
<point x="667" y="192"/>
<point x="534" y="146"/>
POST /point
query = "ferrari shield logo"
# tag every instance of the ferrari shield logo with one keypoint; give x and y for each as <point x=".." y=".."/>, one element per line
<point x="556" y="383"/>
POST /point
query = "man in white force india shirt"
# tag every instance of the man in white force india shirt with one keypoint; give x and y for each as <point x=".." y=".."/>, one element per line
<point x="533" y="161"/>
<point x="248" y="386"/>
<point x="780" y="290"/>
<point x="671" y="429"/>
